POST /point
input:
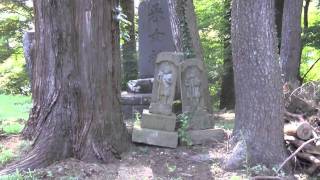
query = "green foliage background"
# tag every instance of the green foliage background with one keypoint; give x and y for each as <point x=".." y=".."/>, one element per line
<point x="311" y="42"/>
<point x="15" y="18"/>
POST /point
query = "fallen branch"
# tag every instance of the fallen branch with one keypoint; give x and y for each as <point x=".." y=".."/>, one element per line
<point x="293" y="154"/>
<point x="305" y="75"/>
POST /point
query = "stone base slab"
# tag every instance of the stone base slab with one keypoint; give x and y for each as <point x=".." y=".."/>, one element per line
<point x="158" y="121"/>
<point x="207" y="135"/>
<point x="158" y="108"/>
<point x="201" y="120"/>
<point x="154" y="137"/>
<point x="135" y="98"/>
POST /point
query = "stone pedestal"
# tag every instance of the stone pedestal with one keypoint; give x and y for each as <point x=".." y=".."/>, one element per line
<point x="193" y="97"/>
<point x="154" y="137"/>
<point x="158" y="125"/>
<point x="207" y="135"/>
<point x="201" y="119"/>
<point x="158" y="121"/>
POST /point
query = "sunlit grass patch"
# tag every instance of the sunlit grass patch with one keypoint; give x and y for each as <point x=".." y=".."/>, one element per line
<point x="14" y="107"/>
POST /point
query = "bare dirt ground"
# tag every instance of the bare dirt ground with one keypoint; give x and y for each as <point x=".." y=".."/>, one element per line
<point x="144" y="162"/>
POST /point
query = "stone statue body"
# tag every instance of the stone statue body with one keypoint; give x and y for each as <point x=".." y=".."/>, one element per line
<point x="164" y="79"/>
<point x="193" y="84"/>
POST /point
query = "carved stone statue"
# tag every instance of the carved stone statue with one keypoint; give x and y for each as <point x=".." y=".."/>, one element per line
<point x="193" y="86"/>
<point x="164" y="86"/>
<point x="164" y="79"/>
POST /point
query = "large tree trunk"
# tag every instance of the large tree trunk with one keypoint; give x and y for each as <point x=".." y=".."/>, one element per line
<point x="290" y="52"/>
<point x="186" y="35"/>
<point x="129" y="54"/>
<point x="259" y="101"/>
<point x="227" y="98"/>
<point x="76" y="89"/>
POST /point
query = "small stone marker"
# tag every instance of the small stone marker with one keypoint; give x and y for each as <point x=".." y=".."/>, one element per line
<point x="155" y="34"/>
<point x="158" y="125"/>
<point x="193" y="98"/>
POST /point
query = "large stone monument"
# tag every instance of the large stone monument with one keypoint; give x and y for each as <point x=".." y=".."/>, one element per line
<point x="155" y="34"/>
<point x="193" y="96"/>
<point x="158" y="124"/>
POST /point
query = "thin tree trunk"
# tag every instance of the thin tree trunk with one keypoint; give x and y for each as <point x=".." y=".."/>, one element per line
<point x="129" y="54"/>
<point x="305" y="15"/>
<point x="77" y="87"/>
<point x="290" y="52"/>
<point x="227" y="98"/>
<point x="278" y="15"/>
<point x="259" y="101"/>
<point x="185" y="33"/>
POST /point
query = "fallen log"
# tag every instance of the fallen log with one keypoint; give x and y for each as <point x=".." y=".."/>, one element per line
<point x="294" y="153"/>
<point x="309" y="148"/>
<point x="315" y="162"/>
<point x="301" y="130"/>
<point x="293" y="117"/>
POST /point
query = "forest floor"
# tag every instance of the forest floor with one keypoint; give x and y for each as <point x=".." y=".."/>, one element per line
<point x="141" y="162"/>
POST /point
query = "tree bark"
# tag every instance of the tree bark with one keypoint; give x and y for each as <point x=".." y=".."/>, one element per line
<point x="305" y="15"/>
<point x="290" y="52"/>
<point x="186" y="35"/>
<point x="227" y="98"/>
<point x="279" y="14"/>
<point x="259" y="100"/>
<point x="77" y="88"/>
<point x="129" y="54"/>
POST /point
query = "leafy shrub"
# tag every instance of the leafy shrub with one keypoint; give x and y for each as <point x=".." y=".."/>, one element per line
<point x="13" y="76"/>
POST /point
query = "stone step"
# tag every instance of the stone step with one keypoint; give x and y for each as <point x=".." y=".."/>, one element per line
<point x="158" y="121"/>
<point x="154" y="137"/>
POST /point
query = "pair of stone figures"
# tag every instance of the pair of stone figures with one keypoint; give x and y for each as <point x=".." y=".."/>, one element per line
<point x="158" y="124"/>
<point x="171" y="71"/>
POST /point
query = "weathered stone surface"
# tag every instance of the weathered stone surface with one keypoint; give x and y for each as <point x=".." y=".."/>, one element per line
<point x="158" y="121"/>
<point x="193" y="95"/>
<point x="192" y="87"/>
<point x="164" y="85"/>
<point x="140" y="85"/>
<point x="155" y="34"/>
<point x="135" y="99"/>
<point x="201" y="119"/>
<point x="154" y="137"/>
<point x="133" y="103"/>
<point x="208" y="135"/>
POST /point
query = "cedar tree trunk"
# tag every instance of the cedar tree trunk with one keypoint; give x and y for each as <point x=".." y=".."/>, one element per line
<point x="227" y="98"/>
<point x="185" y="33"/>
<point x="305" y="15"/>
<point x="129" y="54"/>
<point x="258" y="87"/>
<point x="76" y="87"/>
<point x="290" y="52"/>
<point x="279" y="13"/>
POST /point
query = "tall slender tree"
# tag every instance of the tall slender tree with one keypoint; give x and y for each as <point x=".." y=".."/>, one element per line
<point x="185" y="33"/>
<point x="129" y="54"/>
<point x="290" y="52"/>
<point x="76" y="89"/>
<point x="227" y="98"/>
<point x="259" y="102"/>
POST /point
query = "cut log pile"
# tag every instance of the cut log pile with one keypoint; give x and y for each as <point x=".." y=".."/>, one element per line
<point x="302" y="125"/>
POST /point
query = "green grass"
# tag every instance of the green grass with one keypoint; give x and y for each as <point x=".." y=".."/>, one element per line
<point x="12" y="110"/>
<point x="6" y="155"/>
<point x="14" y="107"/>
